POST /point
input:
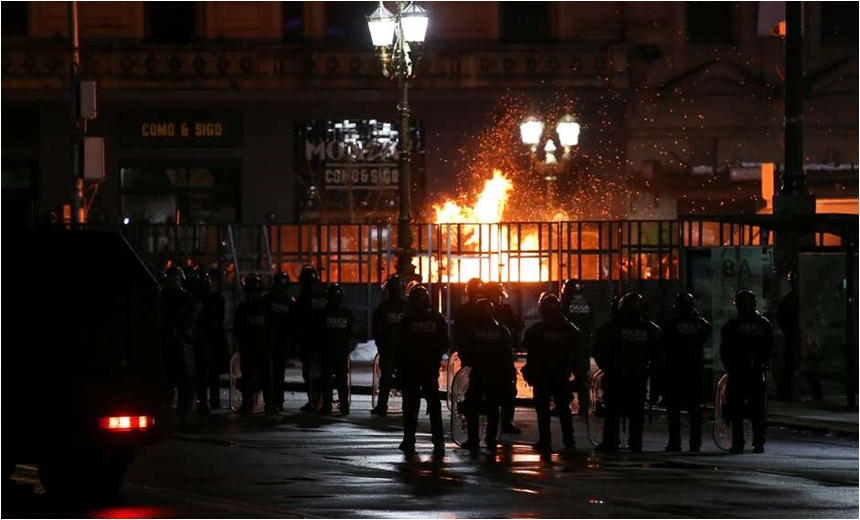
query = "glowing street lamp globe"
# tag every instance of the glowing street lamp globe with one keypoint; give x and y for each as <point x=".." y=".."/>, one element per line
<point x="530" y="131"/>
<point x="381" y="23"/>
<point x="568" y="131"/>
<point x="414" y="19"/>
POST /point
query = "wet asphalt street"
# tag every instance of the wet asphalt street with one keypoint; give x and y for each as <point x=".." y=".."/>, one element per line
<point x="227" y="466"/>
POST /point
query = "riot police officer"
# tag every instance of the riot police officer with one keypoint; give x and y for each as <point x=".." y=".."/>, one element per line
<point x="684" y="337"/>
<point x="310" y="326"/>
<point x="419" y="354"/>
<point x="178" y="312"/>
<point x="505" y="315"/>
<point x="577" y="310"/>
<point x="281" y="312"/>
<point x="552" y="345"/>
<point x="487" y="351"/>
<point x="602" y="350"/>
<point x="210" y="344"/>
<point x="386" y="332"/>
<point x="626" y="358"/>
<point x="338" y="344"/>
<point x="746" y="349"/>
<point x="251" y="333"/>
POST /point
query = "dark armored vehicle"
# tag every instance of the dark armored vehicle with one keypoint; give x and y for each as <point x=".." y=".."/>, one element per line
<point x="83" y="367"/>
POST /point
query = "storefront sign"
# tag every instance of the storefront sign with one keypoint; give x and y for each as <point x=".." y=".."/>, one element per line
<point x="353" y="165"/>
<point x="190" y="129"/>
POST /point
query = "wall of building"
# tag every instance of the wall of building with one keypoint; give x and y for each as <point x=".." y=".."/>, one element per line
<point x="667" y="104"/>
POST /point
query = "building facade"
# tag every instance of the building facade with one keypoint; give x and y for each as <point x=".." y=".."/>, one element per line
<point x="202" y="104"/>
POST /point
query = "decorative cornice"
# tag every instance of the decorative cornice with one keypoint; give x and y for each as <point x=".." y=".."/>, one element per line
<point x="144" y="67"/>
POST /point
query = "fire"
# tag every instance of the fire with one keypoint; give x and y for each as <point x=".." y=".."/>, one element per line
<point x="488" y="209"/>
<point x="493" y="251"/>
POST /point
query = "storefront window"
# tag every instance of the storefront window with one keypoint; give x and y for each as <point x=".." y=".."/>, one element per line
<point x="346" y="22"/>
<point x="17" y="192"/>
<point x="292" y="22"/>
<point x="184" y="192"/>
<point x="525" y="22"/>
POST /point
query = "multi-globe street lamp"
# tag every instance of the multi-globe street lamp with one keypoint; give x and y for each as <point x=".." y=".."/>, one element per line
<point x="397" y="38"/>
<point x="532" y="134"/>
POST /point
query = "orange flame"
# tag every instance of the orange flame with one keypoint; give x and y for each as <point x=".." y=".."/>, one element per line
<point x="492" y="251"/>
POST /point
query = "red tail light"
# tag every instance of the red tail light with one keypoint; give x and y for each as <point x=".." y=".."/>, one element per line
<point x="126" y="423"/>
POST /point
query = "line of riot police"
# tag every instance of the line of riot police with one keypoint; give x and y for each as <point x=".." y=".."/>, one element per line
<point x="412" y="338"/>
<point x="268" y="329"/>
<point x="193" y="341"/>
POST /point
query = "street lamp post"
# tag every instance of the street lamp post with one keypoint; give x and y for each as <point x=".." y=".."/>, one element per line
<point x="531" y="134"/>
<point x="396" y="38"/>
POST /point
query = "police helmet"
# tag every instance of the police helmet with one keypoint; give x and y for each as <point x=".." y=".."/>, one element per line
<point x="419" y="297"/>
<point x="174" y="271"/>
<point x="252" y="284"/>
<point x="571" y="286"/>
<point x="334" y="294"/>
<point x="204" y="280"/>
<point x="685" y="303"/>
<point x="281" y="281"/>
<point x="475" y="288"/>
<point x="191" y="278"/>
<point x="394" y="287"/>
<point x="745" y="300"/>
<point x="632" y="305"/>
<point x="496" y="291"/>
<point x="549" y="304"/>
<point x="411" y="285"/>
<point x="484" y="310"/>
<point x="174" y="276"/>
<point x="615" y="305"/>
<point x="308" y="275"/>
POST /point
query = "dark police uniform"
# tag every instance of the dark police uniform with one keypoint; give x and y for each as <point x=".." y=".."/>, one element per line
<point x="487" y="350"/>
<point x="746" y="349"/>
<point x="179" y="316"/>
<point x="505" y="316"/>
<point x="551" y="346"/>
<point x="339" y="323"/>
<point x="251" y="331"/>
<point x="282" y="310"/>
<point x="419" y="355"/>
<point x="683" y="358"/>
<point x="625" y="352"/>
<point x="386" y="328"/>
<point x="211" y="346"/>
<point x="577" y="310"/>
<point x="310" y="328"/>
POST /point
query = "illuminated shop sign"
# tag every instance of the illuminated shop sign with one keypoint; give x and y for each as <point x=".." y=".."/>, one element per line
<point x="348" y="170"/>
<point x="190" y="129"/>
<point x="352" y="154"/>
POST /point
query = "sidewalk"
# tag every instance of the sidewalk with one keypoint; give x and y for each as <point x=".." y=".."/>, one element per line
<point x="818" y="418"/>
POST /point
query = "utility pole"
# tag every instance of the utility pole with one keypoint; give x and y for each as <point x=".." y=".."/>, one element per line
<point x="78" y="207"/>
<point x="793" y="195"/>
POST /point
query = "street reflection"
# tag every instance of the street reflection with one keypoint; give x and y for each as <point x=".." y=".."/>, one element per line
<point x="526" y="490"/>
<point x="130" y="512"/>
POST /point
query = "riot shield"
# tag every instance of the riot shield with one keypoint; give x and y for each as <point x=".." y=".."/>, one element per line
<point x="596" y="409"/>
<point x="335" y="397"/>
<point x="722" y="426"/>
<point x="316" y="387"/>
<point x="395" y="397"/>
<point x="235" y="395"/>
<point x="457" y="398"/>
<point x="454" y="366"/>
